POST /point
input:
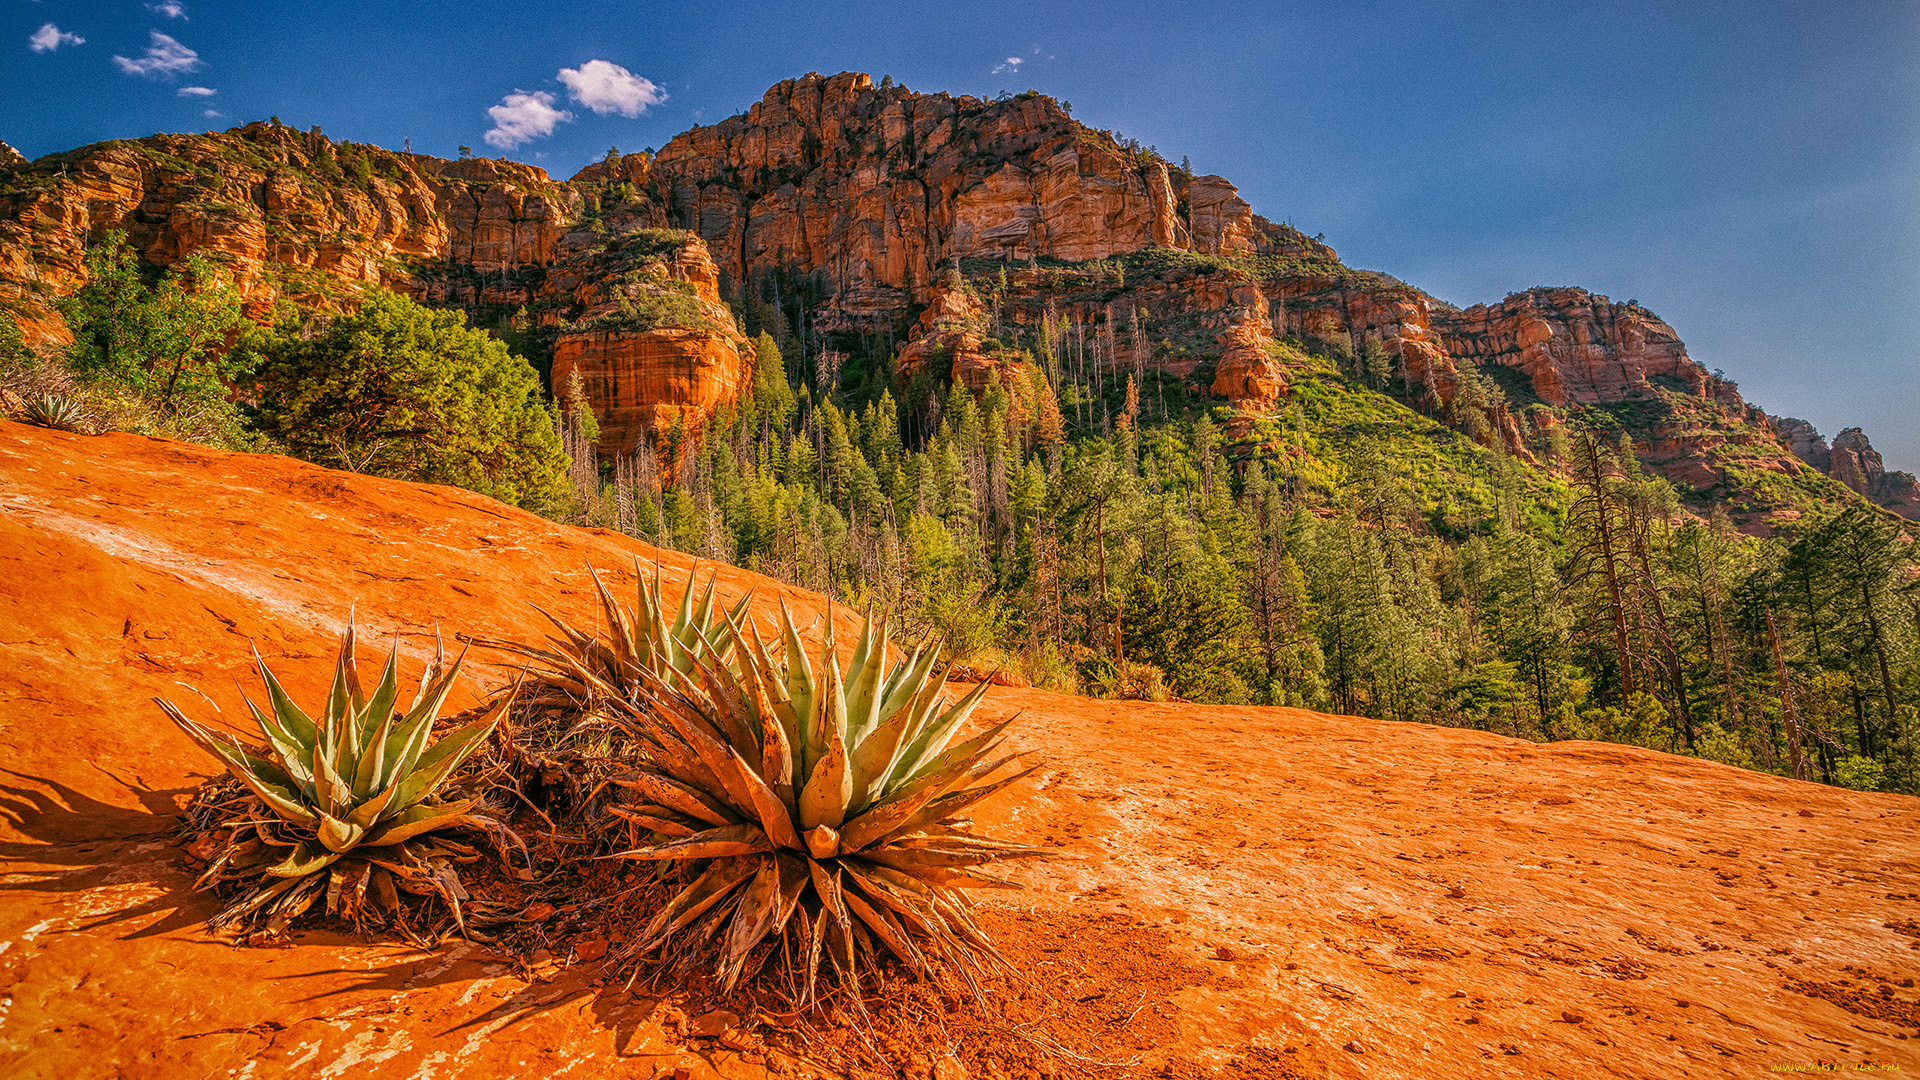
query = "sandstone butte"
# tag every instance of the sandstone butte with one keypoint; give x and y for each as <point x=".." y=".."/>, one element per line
<point x="1238" y="891"/>
<point x="863" y="197"/>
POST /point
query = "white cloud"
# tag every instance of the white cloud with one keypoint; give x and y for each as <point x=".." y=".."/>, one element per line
<point x="172" y="9"/>
<point x="214" y="114"/>
<point x="197" y="91"/>
<point x="1010" y="66"/>
<point x="522" y="117"/>
<point x="165" y="58"/>
<point x="608" y="88"/>
<point x="51" y="37"/>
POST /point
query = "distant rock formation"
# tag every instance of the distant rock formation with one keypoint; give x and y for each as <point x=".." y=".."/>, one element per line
<point x="1576" y="348"/>
<point x="867" y="199"/>
<point x="953" y="327"/>
<point x="834" y="175"/>
<point x="641" y="381"/>
<point x="1853" y="461"/>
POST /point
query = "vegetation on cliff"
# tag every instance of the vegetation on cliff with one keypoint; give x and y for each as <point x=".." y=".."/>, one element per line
<point x="151" y="352"/>
<point x="1345" y="552"/>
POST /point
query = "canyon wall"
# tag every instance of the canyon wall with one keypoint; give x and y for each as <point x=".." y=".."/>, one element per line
<point x="885" y="186"/>
<point x="291" y="215"/>
<point x="1852" y="461"/>
<point x="861" y="199"/>
<point x="647" y="381"/>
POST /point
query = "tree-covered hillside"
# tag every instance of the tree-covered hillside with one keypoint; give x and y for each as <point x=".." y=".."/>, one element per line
<point x="1109" y="531"/>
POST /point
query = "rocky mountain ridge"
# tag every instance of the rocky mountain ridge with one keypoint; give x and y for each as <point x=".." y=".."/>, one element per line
<point x="855" y="210"/>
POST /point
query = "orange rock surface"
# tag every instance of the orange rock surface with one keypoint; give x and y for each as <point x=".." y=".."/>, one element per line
<point x="955" y="325"/>
<point x="1239" y="891"/>
<point x="271" y="205"/>
<point x="1576" y="347"/>
<point x="490" y="215"/>
<point x="640" y="382"/>
<point x="1248" y="374"/>
<point x="885" y="185"/>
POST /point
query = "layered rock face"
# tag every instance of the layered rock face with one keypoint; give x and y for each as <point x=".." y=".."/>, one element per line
<point x="954" y="325"/>
<point x="286" y="213"/>
<point x="293" y="215"/>
<point x="864" y="198"/>
<point x="874" y="189"/>
<point x="1248" y="373"/>
<point x="648" y="383"/>
<point x="885" y="186"/>
<point x="1853" y="461"/>
<point x="1577" y="348"/>
<point x="643" y="383"/>
<point x="1803" y="441"/>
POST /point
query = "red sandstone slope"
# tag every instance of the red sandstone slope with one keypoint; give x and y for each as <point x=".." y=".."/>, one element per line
<point x="1266" y="891"/>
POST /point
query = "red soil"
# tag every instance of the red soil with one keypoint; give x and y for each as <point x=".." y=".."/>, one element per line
<point x="1253" y="892"/>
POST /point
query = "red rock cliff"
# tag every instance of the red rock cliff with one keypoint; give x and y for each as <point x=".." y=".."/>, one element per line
<point x="868" y="195"/>
<point x="885" y="186"/>
<point x="294" y="215"/>
<point x="640" y="381"/>
<point x="1577" y="348"/>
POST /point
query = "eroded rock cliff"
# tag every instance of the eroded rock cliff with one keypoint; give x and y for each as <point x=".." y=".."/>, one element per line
<point x="842" y="207"/>
<point x="886" y="186"/>
<point x="656" y="349"/>
<point x="1853" y="461"/>
<point x="1575" y="347"/>
<point x="292" y="215"/>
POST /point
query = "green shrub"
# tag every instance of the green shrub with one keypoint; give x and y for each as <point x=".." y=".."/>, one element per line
<point x="1859" y="773"/>
<point x="405" y="391"/>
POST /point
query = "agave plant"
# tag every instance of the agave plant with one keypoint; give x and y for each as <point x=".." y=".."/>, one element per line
<point x="344" y="805"/>
<point x="585" y="667"/>
<point x="55" y="411"/>
<point x="821" y="811"/>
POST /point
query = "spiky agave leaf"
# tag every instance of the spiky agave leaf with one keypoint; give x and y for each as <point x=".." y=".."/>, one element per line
<point x="821" y="808"/>
<point x="55" y="411"/>
<point x="590" y="667"/>
<point x="350" y="794"/>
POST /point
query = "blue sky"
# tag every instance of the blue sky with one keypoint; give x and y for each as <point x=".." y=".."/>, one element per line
<point x="1750" y="171"/>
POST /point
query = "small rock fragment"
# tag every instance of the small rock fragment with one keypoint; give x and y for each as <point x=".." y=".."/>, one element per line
<point x="713" y="1024"/>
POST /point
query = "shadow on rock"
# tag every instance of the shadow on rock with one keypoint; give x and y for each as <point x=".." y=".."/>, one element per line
<point x="82" y="844"/>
